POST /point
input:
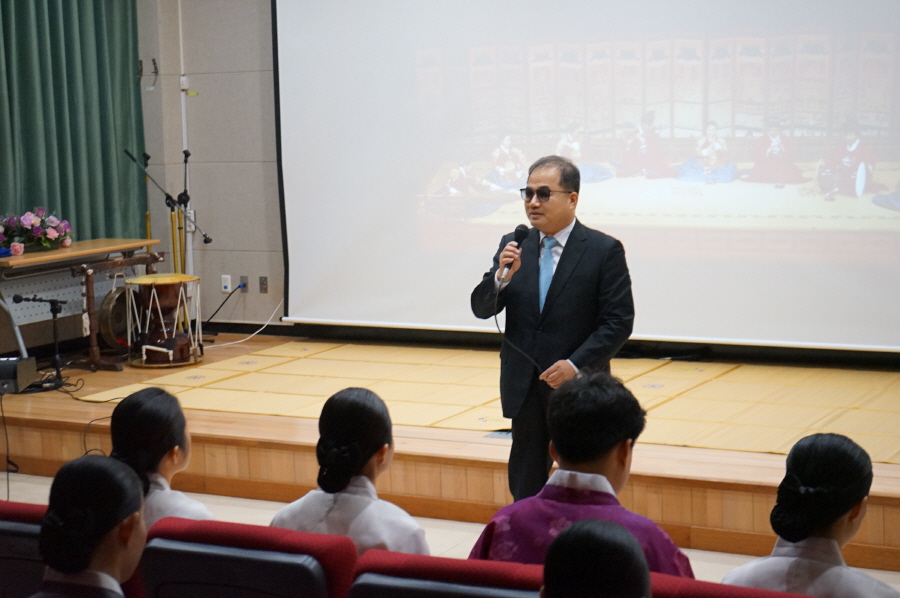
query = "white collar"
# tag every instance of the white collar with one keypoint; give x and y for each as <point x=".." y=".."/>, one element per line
<point x="95" y="579"/>
<point x="825" y="550"/>
<point x="158" y="481"/>
<point x="562" y="236"/>
<point x="360" y="486"/>
<point x="578" y="480"/>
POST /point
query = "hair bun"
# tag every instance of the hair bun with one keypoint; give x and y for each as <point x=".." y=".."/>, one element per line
<point x="70" y="521"/>
<point x="792" y="483"/>
<point x="339" y="462"/>
<point x="338" y="456"/>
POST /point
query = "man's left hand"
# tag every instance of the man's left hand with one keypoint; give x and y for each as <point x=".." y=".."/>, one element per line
<point x="558" y="373"/>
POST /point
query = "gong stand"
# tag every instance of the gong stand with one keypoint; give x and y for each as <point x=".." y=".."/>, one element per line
<point x="94" y="360"/>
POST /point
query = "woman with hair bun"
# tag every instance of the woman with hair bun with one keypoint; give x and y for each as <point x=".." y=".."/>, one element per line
<point x="149" y="433"/>
<point x="355" y="447"/>
<point x="93" y="533"/>
<point x="820" y="506"/>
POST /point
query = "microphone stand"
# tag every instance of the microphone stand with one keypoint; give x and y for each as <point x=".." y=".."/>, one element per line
<point x="56" y="381"/>
<point x="171" y="203"/>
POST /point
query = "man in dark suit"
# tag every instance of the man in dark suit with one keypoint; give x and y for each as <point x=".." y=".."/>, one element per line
<point x="568" y="308"/>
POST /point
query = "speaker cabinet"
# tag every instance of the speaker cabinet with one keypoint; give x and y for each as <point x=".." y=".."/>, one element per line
<point x="17" y="373"/>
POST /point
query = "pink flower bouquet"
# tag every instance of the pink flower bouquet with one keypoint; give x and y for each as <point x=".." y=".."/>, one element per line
<point x="33" y="230"/>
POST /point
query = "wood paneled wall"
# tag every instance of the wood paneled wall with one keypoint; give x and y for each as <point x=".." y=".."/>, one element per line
<point x="269" y="458"/>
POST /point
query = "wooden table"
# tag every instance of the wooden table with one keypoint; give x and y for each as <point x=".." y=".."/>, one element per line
<point x="19" y="267"/>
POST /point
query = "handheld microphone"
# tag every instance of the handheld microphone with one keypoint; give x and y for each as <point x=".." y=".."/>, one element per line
<point x="520" y="235"/>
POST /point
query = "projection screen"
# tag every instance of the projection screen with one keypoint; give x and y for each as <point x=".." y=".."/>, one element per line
<point x="747" y="154"/>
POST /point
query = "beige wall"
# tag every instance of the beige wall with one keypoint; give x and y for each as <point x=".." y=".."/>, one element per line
<point x="227" y="49"/>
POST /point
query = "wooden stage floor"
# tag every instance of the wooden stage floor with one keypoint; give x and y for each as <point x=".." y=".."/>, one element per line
<point x="706" y="498"/>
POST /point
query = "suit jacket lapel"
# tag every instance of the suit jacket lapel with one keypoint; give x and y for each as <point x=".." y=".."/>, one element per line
<point x="568" y="261"/>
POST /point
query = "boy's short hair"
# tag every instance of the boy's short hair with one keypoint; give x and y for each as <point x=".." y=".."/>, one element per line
<point x="591" y="414"/>
<point x="596" y="558"/>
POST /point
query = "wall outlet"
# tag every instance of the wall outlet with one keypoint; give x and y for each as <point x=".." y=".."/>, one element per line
<point x="189" y="221"/>
<point x="263" y="284"/>
<point x="245" y="280"/>
<point x="226" y="283"/>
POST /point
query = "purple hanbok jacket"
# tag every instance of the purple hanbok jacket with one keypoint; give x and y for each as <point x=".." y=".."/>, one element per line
<point x="522" y="532"/>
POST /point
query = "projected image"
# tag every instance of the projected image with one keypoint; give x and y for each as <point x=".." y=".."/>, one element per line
<point x="746" y="154"/>
<point x="793" y="131"/>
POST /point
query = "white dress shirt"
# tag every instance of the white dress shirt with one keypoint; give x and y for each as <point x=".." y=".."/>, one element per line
<point x="813" y="567"/>
<point x="358" y="513"/>
<point x="562" y="238"/>
<point x="162" y="501"/>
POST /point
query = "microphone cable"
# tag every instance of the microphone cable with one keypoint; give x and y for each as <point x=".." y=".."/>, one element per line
<point x="521" y="233"/>
<point x="503" y="335"/>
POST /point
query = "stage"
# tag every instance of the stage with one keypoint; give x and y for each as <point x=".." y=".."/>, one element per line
<point x="251" y="409"/>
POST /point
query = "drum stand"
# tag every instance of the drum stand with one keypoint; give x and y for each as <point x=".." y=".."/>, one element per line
<point x="94" y="360"/>
<point x="179" y="217"/>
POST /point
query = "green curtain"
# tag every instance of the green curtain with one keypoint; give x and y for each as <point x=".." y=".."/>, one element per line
<point x="70" y="103"/>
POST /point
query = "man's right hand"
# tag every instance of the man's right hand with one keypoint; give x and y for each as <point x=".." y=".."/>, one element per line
<point x="511" y="254"/>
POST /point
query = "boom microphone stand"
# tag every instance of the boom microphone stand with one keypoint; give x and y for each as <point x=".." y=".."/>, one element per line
<point x="171" y="203"/>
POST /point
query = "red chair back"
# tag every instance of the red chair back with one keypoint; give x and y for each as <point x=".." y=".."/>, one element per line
<point x="335" y="554"/>
<point x="417" y="575"/>
<point x="668" y="586"/>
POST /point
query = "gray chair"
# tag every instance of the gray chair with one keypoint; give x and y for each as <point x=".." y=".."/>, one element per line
<point x="21" y="568"/>
<point x="177" y="569"/>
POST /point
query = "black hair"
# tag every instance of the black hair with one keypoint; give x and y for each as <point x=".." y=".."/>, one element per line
<point x="593" y="558"/>
<point x="569" y="175"/>
<point x="827" y="475"/>
<point x="88" y="498"/>
<point x="145" y="426"/>
<point x="589" y="415"/>
<point x="353" y="426"/>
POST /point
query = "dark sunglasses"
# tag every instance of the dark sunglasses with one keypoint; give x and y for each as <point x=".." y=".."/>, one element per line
<point x="542" y="193"/>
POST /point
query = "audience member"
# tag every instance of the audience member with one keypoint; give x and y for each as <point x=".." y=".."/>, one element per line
<point x="820" y="506"/>
<point x="93" y="533"/>
<point x="149" y="433"/>
<point x="355" y="447"/>
<point x="595" y="559"/>
<point x="594" y="421"/>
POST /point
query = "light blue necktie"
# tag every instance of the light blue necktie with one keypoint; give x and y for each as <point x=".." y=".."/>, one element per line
<point x="546" y="276"/>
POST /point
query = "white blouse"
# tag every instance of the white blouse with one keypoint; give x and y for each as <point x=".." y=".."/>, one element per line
<point x="813" y="567"/>
<point x="162" y="501"/>
<point x="358" y="513"/>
